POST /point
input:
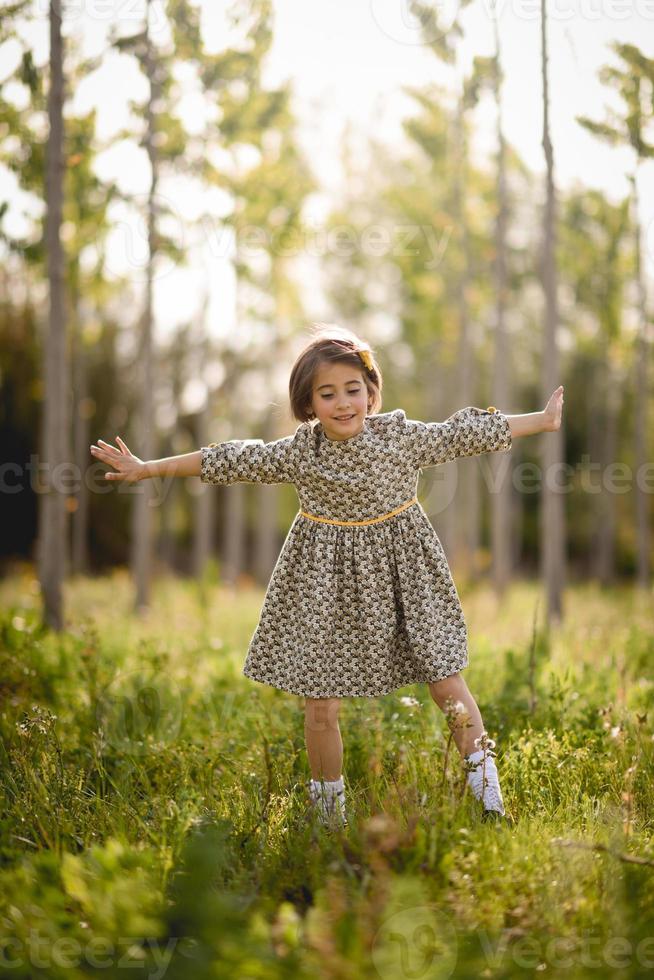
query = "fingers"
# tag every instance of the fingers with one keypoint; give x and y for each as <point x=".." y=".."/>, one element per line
<point x="109" y="448"/>
<point x="103" y="454"/>
<point x="104" y="457"/>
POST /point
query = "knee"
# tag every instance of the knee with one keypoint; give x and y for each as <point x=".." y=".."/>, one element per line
<point x="320" y="713"/>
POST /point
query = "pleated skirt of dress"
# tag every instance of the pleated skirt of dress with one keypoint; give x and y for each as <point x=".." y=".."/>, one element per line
<point x="359" y="611"/>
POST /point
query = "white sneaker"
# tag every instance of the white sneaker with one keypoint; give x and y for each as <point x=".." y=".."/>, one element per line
<point x="328" y="799"/>
<point x="484" y="781"/>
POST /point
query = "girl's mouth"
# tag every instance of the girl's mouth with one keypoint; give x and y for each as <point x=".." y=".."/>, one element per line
<point x="344" y="418"/>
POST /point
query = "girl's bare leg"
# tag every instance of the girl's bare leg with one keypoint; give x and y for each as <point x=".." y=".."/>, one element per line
<point x="323" y="737"/>
<point x="456" y="688"/>
<point x="466" y="726"/>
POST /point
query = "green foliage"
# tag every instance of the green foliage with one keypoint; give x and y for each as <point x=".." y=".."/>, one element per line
<point x="179" y="843"/>
<point x="633" y="79"/>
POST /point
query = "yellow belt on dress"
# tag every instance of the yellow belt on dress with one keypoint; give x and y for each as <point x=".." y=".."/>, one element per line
<point x="370" y="520"/>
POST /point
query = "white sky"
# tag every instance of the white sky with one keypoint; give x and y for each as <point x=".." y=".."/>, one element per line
<point x="347" y="60"/>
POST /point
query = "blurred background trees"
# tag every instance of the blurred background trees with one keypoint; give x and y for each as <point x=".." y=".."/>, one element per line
<point x="443" y="260"/>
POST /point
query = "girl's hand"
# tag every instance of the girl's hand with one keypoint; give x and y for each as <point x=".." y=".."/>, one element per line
<point x="129" y="467"/>
<point x="552" y="412"/>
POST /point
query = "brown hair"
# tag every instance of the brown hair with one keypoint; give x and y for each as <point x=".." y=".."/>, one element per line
<point x="331" y="343"/>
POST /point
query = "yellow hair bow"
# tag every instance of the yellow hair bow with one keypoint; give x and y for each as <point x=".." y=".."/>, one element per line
<point x="366" y="358"/>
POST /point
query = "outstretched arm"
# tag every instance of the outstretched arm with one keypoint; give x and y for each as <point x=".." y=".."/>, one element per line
<point x="131" y="469"/>
<point x="549" y="420"/>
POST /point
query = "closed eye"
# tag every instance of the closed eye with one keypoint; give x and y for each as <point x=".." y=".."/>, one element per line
<point x="355" y="392"/>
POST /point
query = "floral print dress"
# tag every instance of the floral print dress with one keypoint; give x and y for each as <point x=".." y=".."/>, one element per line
<point x="361" y="600"/>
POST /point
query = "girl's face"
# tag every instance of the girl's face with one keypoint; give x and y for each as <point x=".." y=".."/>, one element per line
<point x="338" y="391"/>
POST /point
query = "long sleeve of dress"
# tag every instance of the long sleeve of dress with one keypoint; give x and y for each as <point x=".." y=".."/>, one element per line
<point x="468" y="432"/>
<point x="250" y="461"/>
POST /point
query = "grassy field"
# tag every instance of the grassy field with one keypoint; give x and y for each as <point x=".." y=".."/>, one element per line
<point x="154" y="809"/>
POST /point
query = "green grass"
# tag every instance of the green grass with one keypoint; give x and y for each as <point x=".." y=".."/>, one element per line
<point x="154" y="811"/>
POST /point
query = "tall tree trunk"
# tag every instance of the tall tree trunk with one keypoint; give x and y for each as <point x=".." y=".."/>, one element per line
<point x="643" y="532"/>
<point x="501" y="468"/>
<point x="81" y="438"/>
<point x="266" y="541"/>
<point x="203" y="502"/>
<point x="167" y="545"/>
<point x="467" y="498"/>
<point x="607" y="518"/>
<point x="55" y="449"/>
<point x="234" y="525"/>
<point x="440" y="482"/>
<point x="552" y="513"/>
<point x="183" y="351"/>
<point x="142" y="512"/>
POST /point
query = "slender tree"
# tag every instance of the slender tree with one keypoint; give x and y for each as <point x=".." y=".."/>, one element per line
<point x="53" y="541"/>
<point x="46" y="171"/>
<point x="164" y="141"/>
<point x="446" y="45"/>
<point x="633" y="80"/>
<point x="596" y="261"/>
<point x="489" y="72"/>
<point x="552" y="527"/>
<point x="88" y="288"/>
<point x="83" y="210"/>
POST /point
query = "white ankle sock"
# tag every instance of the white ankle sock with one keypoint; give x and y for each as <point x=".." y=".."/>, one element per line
<point x="329" y="796"/>
<point x="492" y="794"/>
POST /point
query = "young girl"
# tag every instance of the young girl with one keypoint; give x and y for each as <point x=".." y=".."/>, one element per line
<point x="361" y="600"/>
